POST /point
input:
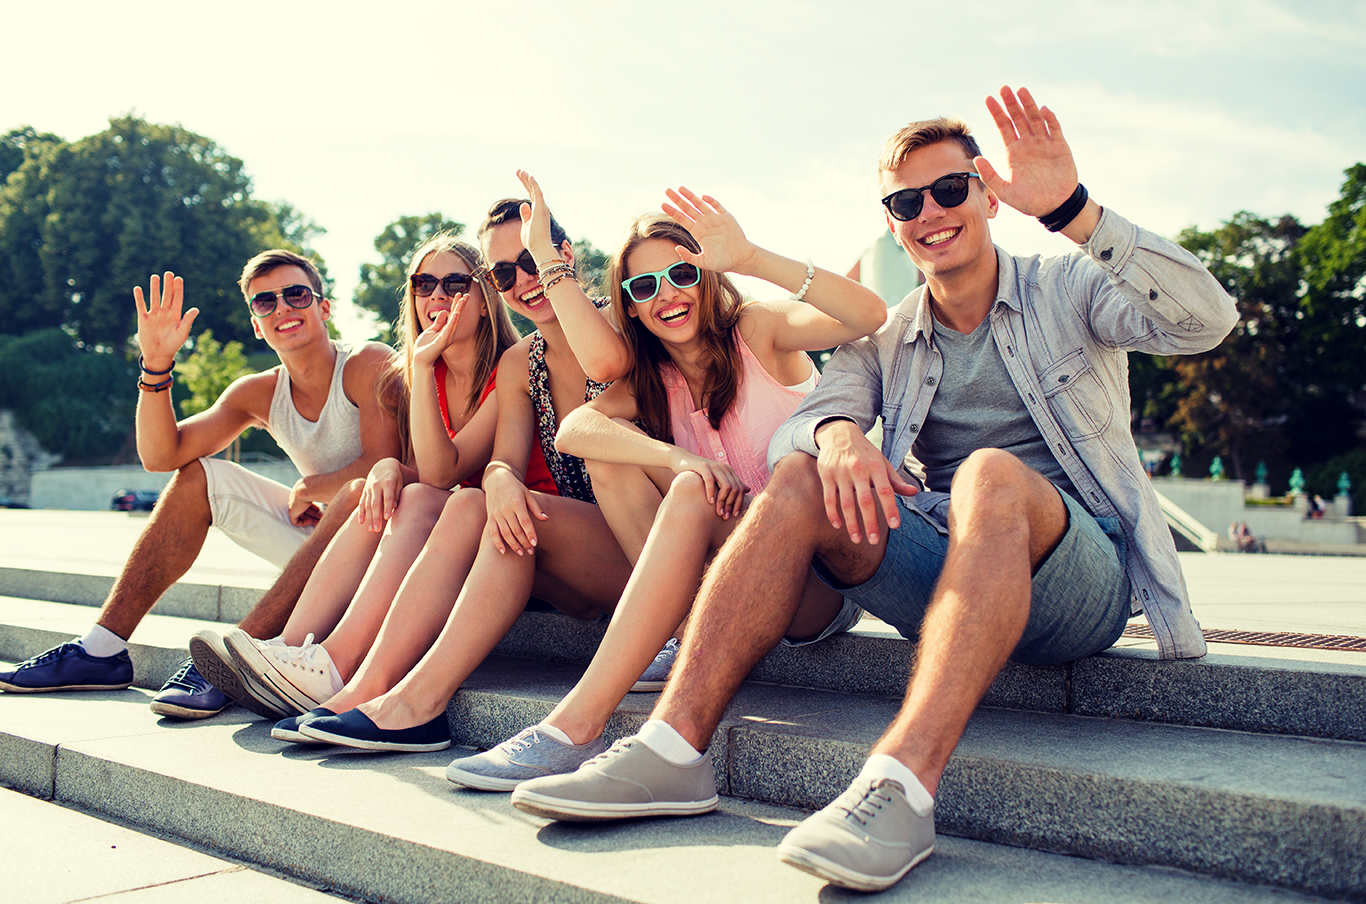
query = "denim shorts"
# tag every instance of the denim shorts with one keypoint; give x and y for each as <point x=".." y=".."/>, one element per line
<point x="1080" y="599"/>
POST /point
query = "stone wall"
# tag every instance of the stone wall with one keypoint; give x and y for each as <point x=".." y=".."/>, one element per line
<point x="1219" y="503"/>
<point x="20" y="456"/>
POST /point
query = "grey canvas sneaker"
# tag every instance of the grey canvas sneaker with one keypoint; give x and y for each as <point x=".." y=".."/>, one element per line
<point x="628" y="780"/>
<point x="866" y="839"/>
<point x="529" y="754"/>
<point x="656" y="674"/>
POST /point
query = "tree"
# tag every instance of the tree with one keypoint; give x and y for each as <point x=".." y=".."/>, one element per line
<point x="82" y="223"/>
<point x="381" y="285"/>
<point x="207" y="372"/>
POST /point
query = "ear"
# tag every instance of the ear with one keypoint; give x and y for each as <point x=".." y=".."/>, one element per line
<point x="256" y="328"/>
<point x="567" y="252"/>
<point x="325" y="308"/>
<point x="993" y="202"/>
<point x="891" y="227"/>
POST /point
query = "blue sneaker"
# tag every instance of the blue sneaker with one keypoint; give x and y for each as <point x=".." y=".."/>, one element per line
<point x="355" y="729"/>
<point x="288" y="729"/>
<point x="68" y="667"/>
<point x="188" y="695"/>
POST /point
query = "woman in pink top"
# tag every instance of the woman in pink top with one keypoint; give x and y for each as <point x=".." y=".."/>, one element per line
<point x="712" y="377"/>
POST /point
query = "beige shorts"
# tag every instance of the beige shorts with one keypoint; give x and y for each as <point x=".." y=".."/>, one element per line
<point x="253" y="511"/>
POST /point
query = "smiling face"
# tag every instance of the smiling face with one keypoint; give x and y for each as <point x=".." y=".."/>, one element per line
<point x="503" y="244"/>
<point x="674" y="315"/>
<point x="942" y="241"/>
<point x="289" y="329"/>
<point x="441" y="264"/>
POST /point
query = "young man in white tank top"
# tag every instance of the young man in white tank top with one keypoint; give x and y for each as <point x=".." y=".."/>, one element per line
<point x="321" y="406"/>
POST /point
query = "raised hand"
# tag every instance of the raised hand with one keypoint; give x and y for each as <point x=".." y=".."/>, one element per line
<point x="162" y="329"/>
<point x="1042" y="172"/>
<point x="536" y="221"/>
<point x="724" y="246"/>
<point x="438" y="337"/>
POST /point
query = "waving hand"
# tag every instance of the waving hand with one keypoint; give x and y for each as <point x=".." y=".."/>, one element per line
<point x="724" y="246"/>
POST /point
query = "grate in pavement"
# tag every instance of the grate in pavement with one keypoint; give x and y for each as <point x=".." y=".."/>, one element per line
<point x="1270" y="639"/>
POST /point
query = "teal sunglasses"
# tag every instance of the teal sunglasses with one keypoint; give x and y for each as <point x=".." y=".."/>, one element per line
<point x="644" y="286"/>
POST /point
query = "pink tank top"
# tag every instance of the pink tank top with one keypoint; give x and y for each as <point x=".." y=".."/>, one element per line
<point x="761" y="404"/>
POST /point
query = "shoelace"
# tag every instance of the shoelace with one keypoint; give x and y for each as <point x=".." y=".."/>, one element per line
<point x="607" y="754"/>
<point x="302" y="657"/>
<point x="45" y="656"/>
<point x="520" y="741"/>
<point x="181" y="677"/>
<point x="669" y="651"/>
<point x="868" y="804"/>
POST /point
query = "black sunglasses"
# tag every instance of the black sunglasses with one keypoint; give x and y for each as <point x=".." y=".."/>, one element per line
<point x="504" y="273"/>
<point x="947" y="191"/>
<point x="263" y="304"/>
<point x="452" y="284"/>
<point x="645" y="286"/>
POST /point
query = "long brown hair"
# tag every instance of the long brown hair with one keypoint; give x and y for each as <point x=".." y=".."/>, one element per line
<point x="718" y="310"/>
<point x="495" y="334"/>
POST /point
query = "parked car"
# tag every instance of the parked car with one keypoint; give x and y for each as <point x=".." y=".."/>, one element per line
<point x="134" y="500"/>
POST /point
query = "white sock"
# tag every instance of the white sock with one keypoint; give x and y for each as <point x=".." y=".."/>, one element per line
<point x="880" y="765"/>
<point x="551" y="731"/>
<point x="663" y="739"/>
<point x="100" y="641"/>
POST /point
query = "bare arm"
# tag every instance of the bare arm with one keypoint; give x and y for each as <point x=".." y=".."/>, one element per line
<point x="601" y="351"/>
<point x="165" y="444"/>
<point x="512" y="508"/>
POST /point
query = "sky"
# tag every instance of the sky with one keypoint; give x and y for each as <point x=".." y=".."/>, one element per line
<point x="1178" y="113"/>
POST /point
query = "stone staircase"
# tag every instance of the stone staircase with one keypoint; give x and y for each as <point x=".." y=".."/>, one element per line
<point x="1232" y="778"/>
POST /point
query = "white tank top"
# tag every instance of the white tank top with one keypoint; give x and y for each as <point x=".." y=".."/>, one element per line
<point x="330" y="443"/>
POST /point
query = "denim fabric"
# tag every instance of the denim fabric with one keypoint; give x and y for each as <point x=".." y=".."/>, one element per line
<point x="1063" y="327"/>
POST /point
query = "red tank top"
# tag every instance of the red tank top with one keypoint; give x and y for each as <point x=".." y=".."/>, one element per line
<point x="537" y="473"/>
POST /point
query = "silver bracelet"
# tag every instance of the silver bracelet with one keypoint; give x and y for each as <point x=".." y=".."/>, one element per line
<point x="810" y="272"/>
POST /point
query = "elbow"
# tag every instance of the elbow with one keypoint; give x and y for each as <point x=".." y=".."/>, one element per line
<point x="606" y="370"/>
<point x="571" y="428"/>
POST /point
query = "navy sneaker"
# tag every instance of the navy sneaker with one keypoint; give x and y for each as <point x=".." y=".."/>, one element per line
<point x="68" y="667"/>
<point x="288" y="729"/>
<point x="188" y="695"/>
<point x="355" y="729"/>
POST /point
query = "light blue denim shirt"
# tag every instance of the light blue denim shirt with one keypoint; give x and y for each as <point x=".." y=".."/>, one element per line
<point x="1063" y="326"/>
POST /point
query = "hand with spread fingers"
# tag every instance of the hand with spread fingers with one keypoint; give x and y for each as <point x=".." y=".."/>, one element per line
<point x="162" y="328"/>
<point x="724" y="246"/>
<point x="1042" y="172"/>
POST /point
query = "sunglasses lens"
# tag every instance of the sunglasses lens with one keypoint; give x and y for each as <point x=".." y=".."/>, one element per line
<point x="906" y="204"/>
<point x="262" y="304"/>
<point x="643" y="288"/>
<point x="684" y="275"/>
<point x="527" y="263"/>
<point x="504" y="275"/>
<point x="950" y="191"/>
<point x="423" y="284"/>
<point x="297" y="296"/>
<point x="456" y="283"/>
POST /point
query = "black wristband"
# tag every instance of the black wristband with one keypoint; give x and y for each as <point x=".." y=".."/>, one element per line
<point x="155" y="373"/>
<point x="156" y="387"/>
<point x="1067" y="211"/>
<point x="830" y="420"/>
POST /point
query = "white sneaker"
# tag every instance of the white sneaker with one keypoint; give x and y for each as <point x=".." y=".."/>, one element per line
<point x="302" y="678"/>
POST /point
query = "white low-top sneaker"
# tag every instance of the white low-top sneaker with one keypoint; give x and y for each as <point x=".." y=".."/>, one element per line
<point x="303" y="677"/>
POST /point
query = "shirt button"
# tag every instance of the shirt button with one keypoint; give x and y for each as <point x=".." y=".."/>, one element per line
<point x="930" y="381"/>
<point x="915" y="428"/>
<point x="1107" y="254"/>
<point x="1152" y="295"/>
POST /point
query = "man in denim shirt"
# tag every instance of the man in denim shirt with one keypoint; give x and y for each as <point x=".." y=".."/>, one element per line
<point x="1002" y="385"/>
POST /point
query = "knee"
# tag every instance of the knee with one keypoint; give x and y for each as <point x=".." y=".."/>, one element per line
<point x="189" y="478"/>
<point x="462" y="505"/>
<point x="991" y="478"/>
<point x="348" y="497"/>
<point x="419" y="502"/>
<point x="795" y="481"/>
<point x="687" y="499"/>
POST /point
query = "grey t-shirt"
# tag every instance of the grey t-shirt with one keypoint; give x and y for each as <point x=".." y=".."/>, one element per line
<point x="976" y="406"/>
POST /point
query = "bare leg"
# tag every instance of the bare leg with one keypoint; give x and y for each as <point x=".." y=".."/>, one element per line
<point x="575" y="549"/>
<point x="742" y="611"/>
<point x="1004" y="521"/>
<point x="267" y="618"/>
<point x="686" y="533"/>
<point x="629" y="496"/>
<point x="422" y="603"/>
<point x="167" y="548"/>
<point x="358" y="576"/>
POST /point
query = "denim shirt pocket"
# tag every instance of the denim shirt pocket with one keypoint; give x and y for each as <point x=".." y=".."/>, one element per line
<point x="1076" y="396"/>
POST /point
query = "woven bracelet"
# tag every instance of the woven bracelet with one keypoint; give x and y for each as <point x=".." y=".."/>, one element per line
<point x="1067" y="211"/>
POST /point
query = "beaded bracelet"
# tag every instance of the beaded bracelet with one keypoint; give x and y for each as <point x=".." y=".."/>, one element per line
<point x="154" y="373"/>
<point x="564" y="270"/>
<point x="550" y="285"/>
<point x="810" y="272"/>
<point x="551" y="266"/>
<point x="1067" y="211"/>
<point x="157" y="387"/>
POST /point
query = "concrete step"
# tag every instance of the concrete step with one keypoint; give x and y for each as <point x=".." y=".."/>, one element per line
<point x="1323" y="698"/>
<point x="390" y="828"/>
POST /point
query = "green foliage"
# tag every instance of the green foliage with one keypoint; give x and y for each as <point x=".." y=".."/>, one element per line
<point x="591" y="265"/>
<point x="82" y="223"/>
<point x="1323" y="479"/>
<point x="208" y="371"/>
<point x="381" y="285"/>
<point x="75" y="400"/>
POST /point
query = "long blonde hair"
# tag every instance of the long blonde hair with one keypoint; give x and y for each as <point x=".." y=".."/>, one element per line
<point x="718" y="309"/>
<point x="495" y="335"/>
